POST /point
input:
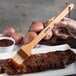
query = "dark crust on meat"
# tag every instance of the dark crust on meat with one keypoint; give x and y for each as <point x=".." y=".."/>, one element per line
<point x="51" y="60"/>
<point x="2" y="64"/>
<point x="42" y="62"/>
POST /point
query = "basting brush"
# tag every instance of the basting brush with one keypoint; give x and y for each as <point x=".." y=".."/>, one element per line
<point x="26" y="50"/>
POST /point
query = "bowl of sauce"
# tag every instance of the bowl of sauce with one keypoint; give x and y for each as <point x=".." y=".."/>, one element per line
<point x="6" y="44"/>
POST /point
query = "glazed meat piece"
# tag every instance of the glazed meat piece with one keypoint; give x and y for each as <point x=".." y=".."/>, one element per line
<point x="2" y="64"/>
<point x="67" y="57"/>
<point x="61" y="32"/>
<point x="45" y="61"/>
<point x="2" y="70"/>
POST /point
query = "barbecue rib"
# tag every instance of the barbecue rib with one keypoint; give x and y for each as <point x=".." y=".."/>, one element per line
<point x="42" y="62"/>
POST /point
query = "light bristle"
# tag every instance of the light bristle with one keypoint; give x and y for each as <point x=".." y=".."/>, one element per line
<point x="1" y="75"/>
<point x="17" y="58"/>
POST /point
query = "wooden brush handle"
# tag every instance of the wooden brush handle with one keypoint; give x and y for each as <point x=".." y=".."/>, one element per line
<point x="41" y="35"/>
<point x="51" y="24"/>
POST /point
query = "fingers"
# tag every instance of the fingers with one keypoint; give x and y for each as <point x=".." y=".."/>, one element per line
<point x="48" y="36"/>
<point x="62" y="24"/>
<point x="61" y="35"/>
<point x="61" y="32"/>
<point x="65" y="22"/>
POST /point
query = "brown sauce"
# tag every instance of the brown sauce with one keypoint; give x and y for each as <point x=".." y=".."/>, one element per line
<point x="5" y="42"/>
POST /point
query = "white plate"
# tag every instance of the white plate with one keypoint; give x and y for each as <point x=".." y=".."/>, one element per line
<point x="71" y="69"/>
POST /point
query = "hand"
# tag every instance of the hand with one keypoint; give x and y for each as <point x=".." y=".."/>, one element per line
<point x="68" y="24"/>
<point x="60" y="29"/>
